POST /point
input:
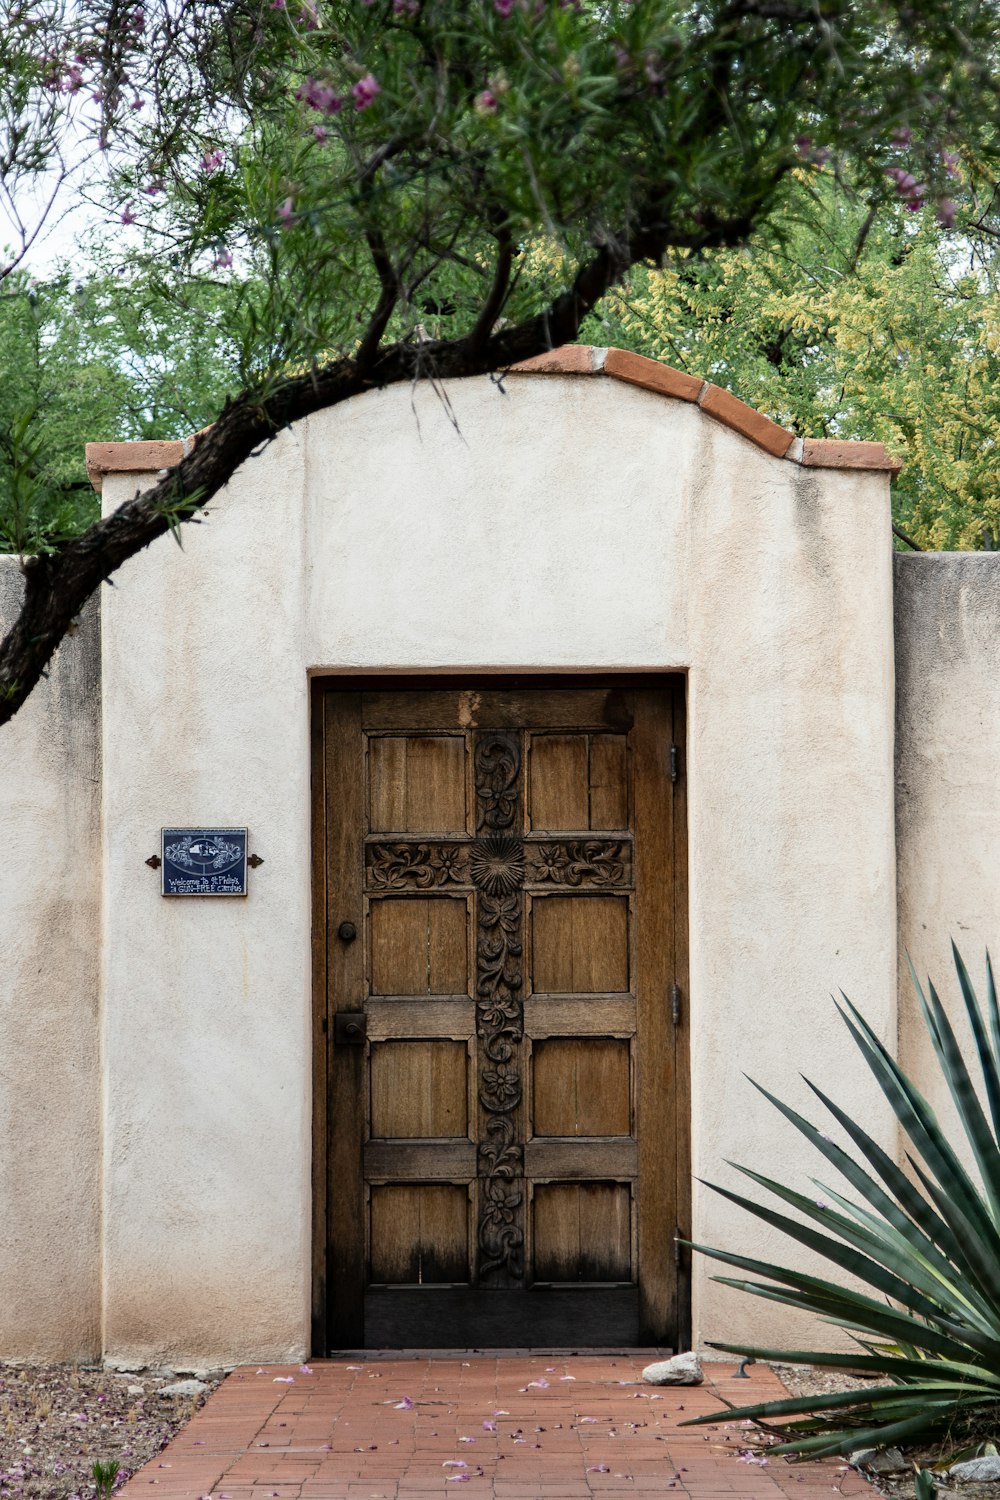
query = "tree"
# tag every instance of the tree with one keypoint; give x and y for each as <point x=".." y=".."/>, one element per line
<point x="844" y="324"/>
<point x="384" y="163"/>
<point x="97" y="358"/>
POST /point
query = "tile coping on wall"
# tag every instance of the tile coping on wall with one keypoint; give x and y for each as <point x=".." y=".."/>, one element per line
<point x="580" y="359"/>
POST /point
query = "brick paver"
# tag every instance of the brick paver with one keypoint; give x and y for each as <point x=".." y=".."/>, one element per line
<point x="517" y="1427"/>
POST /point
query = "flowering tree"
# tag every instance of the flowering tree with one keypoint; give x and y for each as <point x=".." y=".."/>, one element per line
<point x="389" y="167"/>
<point x="844" y="325"/>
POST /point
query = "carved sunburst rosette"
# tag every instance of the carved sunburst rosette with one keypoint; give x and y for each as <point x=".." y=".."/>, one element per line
<point x="496" y="864"/>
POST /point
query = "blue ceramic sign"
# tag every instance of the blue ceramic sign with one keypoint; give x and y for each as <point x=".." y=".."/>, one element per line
<point x="204" y="861"/>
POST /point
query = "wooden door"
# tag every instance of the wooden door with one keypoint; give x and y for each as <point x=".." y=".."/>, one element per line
<point x="501" y="1082"/>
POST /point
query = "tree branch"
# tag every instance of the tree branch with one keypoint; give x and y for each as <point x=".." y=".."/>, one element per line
<point x="389" y="283"/>
<point x="497" y="296"/>
<point x="57" y="585"/>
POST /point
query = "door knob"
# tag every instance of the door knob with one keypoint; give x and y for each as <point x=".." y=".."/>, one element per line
<point x="350" y="1028"/>
<point x="347" y="932"/>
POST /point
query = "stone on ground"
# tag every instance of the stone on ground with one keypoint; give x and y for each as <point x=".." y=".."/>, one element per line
<point x="877" y="1460"/>
<point x="980" y="1470"/>
<point x="184" y="1388"/>
<point x="683" y="1369"/>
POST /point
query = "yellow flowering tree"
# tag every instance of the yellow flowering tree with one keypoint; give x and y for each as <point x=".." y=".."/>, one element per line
<point x="847" y="325"/>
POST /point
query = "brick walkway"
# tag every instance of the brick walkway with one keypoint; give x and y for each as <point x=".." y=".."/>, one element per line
<point x="519" y="1427"/>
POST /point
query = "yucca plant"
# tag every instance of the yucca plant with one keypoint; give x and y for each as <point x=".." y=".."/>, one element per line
<point x="926" y="1248"/>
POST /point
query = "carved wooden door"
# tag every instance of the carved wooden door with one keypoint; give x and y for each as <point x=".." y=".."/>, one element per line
<point x="501" y="1145"/>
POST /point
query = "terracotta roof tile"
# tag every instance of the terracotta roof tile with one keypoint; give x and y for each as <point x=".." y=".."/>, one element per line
<point x="584" y="359"/>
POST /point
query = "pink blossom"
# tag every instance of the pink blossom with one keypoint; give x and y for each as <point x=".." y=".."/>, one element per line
<point x="319" y="96"/>
<point x="153" y="186"/>
<point x="486" y="103"/>
<point x="305" y="1369"/>
<point x="946" y="213"/>
<point x="128" y="217"/>
<point x="908" y="188"/>
<point x="137" y="20"/>
<point x="286" y="211"/>
<point x="72" y="81"/>
<point x="903" y="179"/>
<point x="209" y="162"/>
<point x="405" y="1405"/>
<point x="277" y="4"/>
<point x="489" y="1427"/>
<point x="364" y="90"/>
<point x="137" y="104"/>
<point x="503" y="7"/>
<point x="223" y="259"/>
<point x="319" y="131"/>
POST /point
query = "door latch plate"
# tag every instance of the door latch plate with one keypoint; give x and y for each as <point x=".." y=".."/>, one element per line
<point x="350" y="1028"/>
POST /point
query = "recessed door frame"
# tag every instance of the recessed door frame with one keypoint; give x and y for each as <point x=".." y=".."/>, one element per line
<point x="327" y="824"/>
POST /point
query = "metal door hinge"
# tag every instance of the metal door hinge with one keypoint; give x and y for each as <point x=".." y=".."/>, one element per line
<point x="675" y="1003"/>
<point x="674" y="763"/>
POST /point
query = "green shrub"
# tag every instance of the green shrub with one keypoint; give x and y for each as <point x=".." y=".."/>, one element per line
<point x="926" y="1248"/>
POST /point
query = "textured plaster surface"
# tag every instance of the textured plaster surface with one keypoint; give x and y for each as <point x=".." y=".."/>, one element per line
<point x="947" y="783"/>
<point x="557" y="524"/>
<point x="49" y="1071"/>
<point x="207" y="1042"/>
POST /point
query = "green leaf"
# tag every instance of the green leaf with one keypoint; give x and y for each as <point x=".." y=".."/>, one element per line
<point x="929" y="1245"/>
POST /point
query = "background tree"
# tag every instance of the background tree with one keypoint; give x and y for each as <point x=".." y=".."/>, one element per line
<point x="377" y="163"/>
<point x="107" y="357"/>
<point x="840" y="322"/>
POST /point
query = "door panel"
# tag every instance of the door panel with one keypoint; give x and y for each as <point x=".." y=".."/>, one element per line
<point x="502" y="1157"/>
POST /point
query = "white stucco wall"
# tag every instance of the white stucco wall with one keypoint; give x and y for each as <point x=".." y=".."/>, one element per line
<point x="564" y="525"/>
<point x="948" y="784"/>
<point x="49" y="989"/>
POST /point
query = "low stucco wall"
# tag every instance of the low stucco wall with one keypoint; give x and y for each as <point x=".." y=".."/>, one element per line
<point x="947" y="628"/>
<point x="559" y="525"/>
<point x="50" y="1085"/>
